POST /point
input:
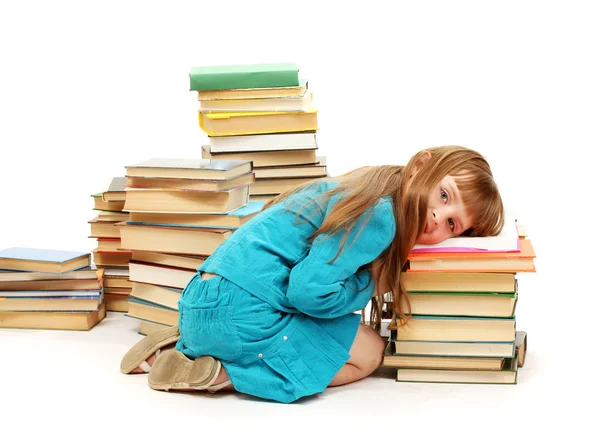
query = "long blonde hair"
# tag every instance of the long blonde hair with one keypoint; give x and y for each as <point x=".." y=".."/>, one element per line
<point x="409" y="188"/>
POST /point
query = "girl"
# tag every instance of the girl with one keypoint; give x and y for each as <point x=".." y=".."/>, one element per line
<point x="272" y="312"/>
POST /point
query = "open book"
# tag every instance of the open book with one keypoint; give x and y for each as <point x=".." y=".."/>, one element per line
<point x="506" y="241"/>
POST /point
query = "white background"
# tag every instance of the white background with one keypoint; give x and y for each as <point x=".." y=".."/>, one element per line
<point x="89" y="87"/>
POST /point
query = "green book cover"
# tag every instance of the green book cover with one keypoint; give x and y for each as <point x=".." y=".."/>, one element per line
<point x="249" y="76"/>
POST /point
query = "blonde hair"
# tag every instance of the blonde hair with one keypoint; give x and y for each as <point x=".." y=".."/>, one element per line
<point x="409" y="188"/>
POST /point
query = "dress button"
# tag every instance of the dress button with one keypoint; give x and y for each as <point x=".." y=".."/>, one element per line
<point x="285" y="337"/>
<point x="260" y="355"/>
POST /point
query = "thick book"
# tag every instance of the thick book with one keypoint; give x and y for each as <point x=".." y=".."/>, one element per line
<point x="189" y="184"/>
<point x="53" y="320"/>
<point x="86" y="273"/>
<point x="243" y="76"/>
<point x="144" y="310"/>
<point x="182" y="201"/>
<point x="189" y="168"/>
<point x="266" y="158"/>
<point x="160" y="275"/>
<point x="255" y="93"/>
<point x="457" y="329"/>
<point x="462" y="304"/>
<point x="147" y="327"/>
<point x="301" y="103"/>
<point x="115" y="191"/>
<point x="42" y="260"/>
<point x="159" y="295"/>
<point x="247" y="123"/>
<point x="511" y="262"/>
<point x="110" y="206"/>
<point x="104" y="229"/>
<point x="263" y="142"/>
<point x="486" y="349"/>
<point x="172" y="240"/>
<point x="294" y="171"/>
<point x="229" y="220"/>
<point x="176" y="261"/>
<point x="490" y="282"/>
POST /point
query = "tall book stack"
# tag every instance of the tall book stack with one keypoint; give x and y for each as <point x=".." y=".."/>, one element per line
<point x="180" y="211"/>
<point x="49" y="289"/>
<point x="463" y="297"/>
<point x="263" y="113"/>
<point x="108" y="254"/>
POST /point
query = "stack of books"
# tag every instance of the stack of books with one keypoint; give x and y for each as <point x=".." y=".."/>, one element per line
<point x="263" y="113"/>
<point x="180" y="211"/>
<point x="463" y="297"/>
<point x="108" y="254"/>
<point x="49" y="289"/>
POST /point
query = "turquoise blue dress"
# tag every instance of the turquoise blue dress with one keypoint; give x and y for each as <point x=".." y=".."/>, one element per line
<point x="280" y="315"/>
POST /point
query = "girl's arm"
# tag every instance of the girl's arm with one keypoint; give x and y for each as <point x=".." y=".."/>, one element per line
<point x="326" y="290"/>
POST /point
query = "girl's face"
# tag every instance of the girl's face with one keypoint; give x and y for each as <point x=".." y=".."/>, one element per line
<point x="446" y="214"/>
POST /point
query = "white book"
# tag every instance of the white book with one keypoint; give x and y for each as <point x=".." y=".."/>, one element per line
<point x="263" y="142"/>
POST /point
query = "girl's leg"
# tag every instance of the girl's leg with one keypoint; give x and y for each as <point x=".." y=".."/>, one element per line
<point x="366" y="355"/>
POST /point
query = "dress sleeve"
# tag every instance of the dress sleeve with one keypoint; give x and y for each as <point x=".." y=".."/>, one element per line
<point x="328" y="290"/>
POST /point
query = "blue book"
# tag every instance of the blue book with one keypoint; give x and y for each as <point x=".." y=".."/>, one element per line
<point x="43" y="260"/>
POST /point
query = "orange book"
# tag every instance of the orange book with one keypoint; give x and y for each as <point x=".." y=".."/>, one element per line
<point x="474" y="261"/>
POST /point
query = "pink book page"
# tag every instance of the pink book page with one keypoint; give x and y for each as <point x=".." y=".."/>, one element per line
<point x="506" y="241"/>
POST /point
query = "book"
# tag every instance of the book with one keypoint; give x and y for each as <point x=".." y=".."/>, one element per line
<point x="111" y="258"/>
<point x="463" y="304"/>
<point x="101" y="205"/>
<point x="42" y="260"/>
<point x="506" y="240"/>
<point x="60" y="284"/>
<point x="189" y="168"/>
<point x="157" y="294"/>
<point x="115" y="190"/>
<point x="55" y="320"/>
<point x="116" y="302"/>
<point x="507" y="375"/>
<point x="173" y="240"/>
<point x="298" y="103"/>
<point x="486" y="349"/>
<point x="513" y="262"/>
<point x="490" y="282"/>
<point x="147" y="327"/>
<point x="174" y="201"/>
<point x="86" y="273"/>
<point x="293" y="171"/>
<point x="109" y="245"/>
<point x="184" y="262"/>
<point x="51" y="303"/>
<point x="440" y="362"/>
<point x="261" y="198"/>
<point x="48" y="293"/>
<point x="189" y="184"/>
<point x="112" y="216"/>
<point x="144" y="310"/>
<point x="263" y="142"/>
<point x="229" y="220"/>
<point x="521" y="347"/>
<point x="243" y="76"/>
<point x="260" y="93"/>
<point x="160" y="275"/>
<point x="246" y="123"/>
<point x="457" y="329"/>
<point x="103" y="229"/>
<point x="269" y="158"/>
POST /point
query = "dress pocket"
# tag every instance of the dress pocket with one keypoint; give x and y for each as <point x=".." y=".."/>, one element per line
<point x="210" y="331"/>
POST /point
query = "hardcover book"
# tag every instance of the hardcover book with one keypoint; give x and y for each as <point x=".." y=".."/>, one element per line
<point x="246" y="76"/>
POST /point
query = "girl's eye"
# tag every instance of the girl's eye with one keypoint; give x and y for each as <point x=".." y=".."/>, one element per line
<point x="444" y="196"/>
<point x="451" y="223"/>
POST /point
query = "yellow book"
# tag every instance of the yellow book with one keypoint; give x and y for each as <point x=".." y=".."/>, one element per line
<point x="246" y="123"/>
